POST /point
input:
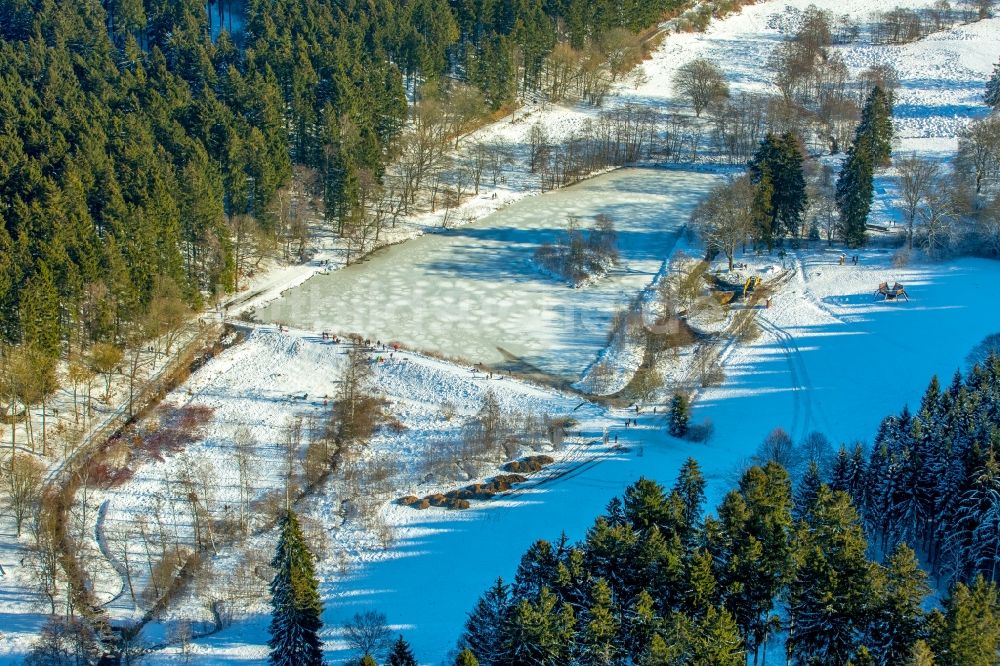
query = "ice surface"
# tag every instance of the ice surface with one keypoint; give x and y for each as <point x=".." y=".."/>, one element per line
<point x="474" y="292"/>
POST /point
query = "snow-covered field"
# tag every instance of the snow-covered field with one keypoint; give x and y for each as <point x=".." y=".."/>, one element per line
<point x="475" y="292"/>
<point x="831" y="360"/>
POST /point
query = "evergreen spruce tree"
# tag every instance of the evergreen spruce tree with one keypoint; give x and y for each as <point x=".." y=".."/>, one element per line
<point x="701" y="588"/>
<point x="829" y="595"/>
<point x="806" y="492"/>
<point x="641" y="624"/>
<point x="871" y="148"/>
<point x="897" y="615"/>
<point x="537" y="569"/>
<point x="401" y="654"/>
<point x="679" y="415"/>
<point x="599" y="644"/>
<point x="777" y="167"/>
<point x="615" y="512"/>
<point x="982" y="501"/>
<point x="841" y="472"/>
<point x="921" y="655"/>
<point x="763" y="231"/>
<point x="646" y="505"/>
<point x="719" y="642"/>
<point x="295" y="602"/>
<point x="855" y="191"/>
<point x="661" y="653"/>
<point x="992" y="94"/>
<point x="40" y="311"/>
<point x="541" y="631"/>
<point x="752" y="549"/>
<point x="466" y="658"/>
<point x="690" y="488"/>
<point x="863" y="657"/>
<point x="609" y="551"/>
<point x="484" y="628"/>
<point x="876" y="123"/>
<point x="968" y="632"/>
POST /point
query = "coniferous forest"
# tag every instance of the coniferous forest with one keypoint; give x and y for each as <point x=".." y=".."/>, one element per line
<point x="838" y="567"/>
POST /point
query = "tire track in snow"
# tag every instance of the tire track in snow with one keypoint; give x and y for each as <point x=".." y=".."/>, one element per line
<point x="810" y="295"/>
<point x="801" y="386"/>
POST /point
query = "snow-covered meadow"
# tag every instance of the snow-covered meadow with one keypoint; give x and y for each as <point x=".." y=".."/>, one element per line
<point x="832" y="359"/>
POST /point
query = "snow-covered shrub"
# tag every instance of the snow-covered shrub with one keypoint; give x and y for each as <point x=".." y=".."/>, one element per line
<point x="901" y="258"/>
<point x="700" y="432"/>
<point x="578" y="257"/>
<point x="982" y="351"/>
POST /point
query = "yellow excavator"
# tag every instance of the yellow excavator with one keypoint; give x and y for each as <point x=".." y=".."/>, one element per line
<point x="752" y="283"/>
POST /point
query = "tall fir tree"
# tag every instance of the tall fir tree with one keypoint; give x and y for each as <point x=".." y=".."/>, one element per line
<point x="897" y="615"/>
<point x="485" y="625"/>
<point x="466" y="658"/>
<point x="776" y="170"/>
<point x="968" y="632"/>
<point x="295" y="602"/>
<point x="992" y="93"/>
<point x="679" y="414"/>
<point x="599" y="644"/>
<point x="921" y="655"/>
<point x="806" y="493"/>
<point x="401" y="654"/>
<point x="690" y="488"/>
<point x="855" y="191"/>
<point x="871" y="148"/>
<point x="40" y="312"/>
<point x="876" y="123"/>
<point x="541" y="631"/>
<point x="828" y="597"/>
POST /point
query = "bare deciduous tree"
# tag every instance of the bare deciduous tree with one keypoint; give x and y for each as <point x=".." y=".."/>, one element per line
<point x="23" y="485"/>
<point x="778" y="447"/>
<point x="916" y="177"/>
<point x="938" y="215"/>
<point x="119" y="540"/>
<point x="499" y="159"/>
<point x="245" y="453"/>
<point x="979" y="152"/>
<point x="64" y="641"/>
<point x="104" y="359"/>
<point x="167" y="314"/>
<point x="988" y="228"/>
<point x="702" y="82"/>
<point x="368" y="633"/>
<point x="47" y="570"/>
<point x="725" y="217"/>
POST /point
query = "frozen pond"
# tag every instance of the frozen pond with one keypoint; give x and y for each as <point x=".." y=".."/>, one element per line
<point x="474" y="292"/>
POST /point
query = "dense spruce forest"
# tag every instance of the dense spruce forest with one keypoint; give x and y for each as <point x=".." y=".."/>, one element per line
<point x="828" y="559"/>
<point x="142" y="144"/>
